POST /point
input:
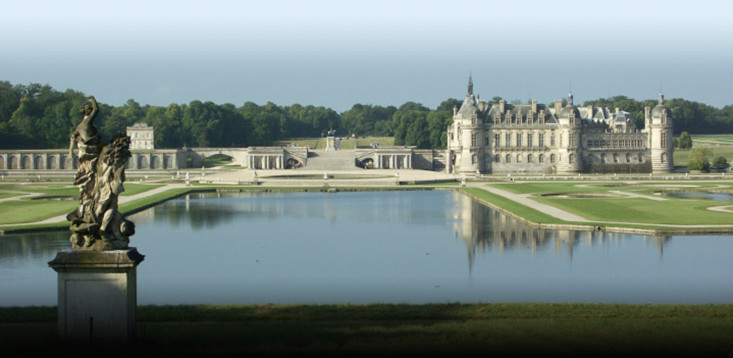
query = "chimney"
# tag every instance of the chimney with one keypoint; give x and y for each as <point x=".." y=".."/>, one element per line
<point x="502" y="106"/>
<point x="558" y="106"/>
<point x="534" y="106"/>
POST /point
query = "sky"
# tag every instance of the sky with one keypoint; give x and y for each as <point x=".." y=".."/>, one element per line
<point x="338" y="53"/>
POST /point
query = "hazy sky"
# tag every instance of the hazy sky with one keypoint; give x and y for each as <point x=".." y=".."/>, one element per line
<point x="338" y="53"/>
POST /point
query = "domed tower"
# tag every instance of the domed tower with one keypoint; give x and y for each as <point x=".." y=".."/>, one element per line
<point x="659" y="124"/>
<point x="569" y="125"/>
<point x="466" y="137"/>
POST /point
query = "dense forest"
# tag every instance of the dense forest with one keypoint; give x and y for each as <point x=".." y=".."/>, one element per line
<point x="37" y="116"/>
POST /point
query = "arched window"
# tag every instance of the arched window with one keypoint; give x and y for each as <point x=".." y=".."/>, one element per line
<point x="530" y="158"/>
<point x="552" y="158"/>
<point x="497" y="158"/>
<point x="628" y="158"/>
<point x="571" y="158"/>
<point x="508" y="159"/>
<point x="519" y="158"/>
<point x="541" y="158"/>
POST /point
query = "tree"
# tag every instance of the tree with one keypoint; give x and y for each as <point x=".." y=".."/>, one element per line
<point x="699" y="158"/>
<point x="720" y="163"/>
<point x="685" y="141"/>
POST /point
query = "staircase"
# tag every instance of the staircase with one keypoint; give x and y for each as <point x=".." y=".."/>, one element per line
<point x="331" y="160"/>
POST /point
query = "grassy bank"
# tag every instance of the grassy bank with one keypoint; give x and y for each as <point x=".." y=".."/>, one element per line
<point x="502" y="328"/>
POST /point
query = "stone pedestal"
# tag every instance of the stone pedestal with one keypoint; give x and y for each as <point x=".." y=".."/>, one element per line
<point x="97" y="294"/>
<point x="332" y="144"/>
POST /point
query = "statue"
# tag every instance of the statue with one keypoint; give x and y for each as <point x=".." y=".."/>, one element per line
<point x="97" y="224"/>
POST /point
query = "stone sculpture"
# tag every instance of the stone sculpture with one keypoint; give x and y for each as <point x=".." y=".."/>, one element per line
<point x="97" y="224"/>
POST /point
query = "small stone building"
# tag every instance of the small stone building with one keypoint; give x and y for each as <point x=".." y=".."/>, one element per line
<point x="141" y="136"/>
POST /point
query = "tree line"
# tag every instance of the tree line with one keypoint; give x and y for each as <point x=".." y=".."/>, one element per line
<point x="38" y="116"/>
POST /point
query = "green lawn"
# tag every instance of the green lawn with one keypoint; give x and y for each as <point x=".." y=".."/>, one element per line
<point x="20" y="211"/>
<point x="216" y="160"/>
<point x="616" y="207"/>
<point x="720" y="144"/>
<point x="671" y="211"/>
<point x="547" y="329"/>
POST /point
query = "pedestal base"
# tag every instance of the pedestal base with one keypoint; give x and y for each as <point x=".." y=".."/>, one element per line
<point x="97" y="294"/>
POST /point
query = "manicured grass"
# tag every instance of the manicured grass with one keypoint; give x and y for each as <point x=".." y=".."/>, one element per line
<point x="681" y="157"/>
<point x="501" y="328"/>
<point x="671" y="211"/>
<point x="216" y="160"/>
<point x="511" y="206"/>
<point x="22" y="211"/>
<point x="558" y="187"/>
<point x="65" y="189"/>
<point x="720" y="144"/>
<point x="714" y="139"/>
<point x="133" y="188"/>
<point x="625" y="209"/>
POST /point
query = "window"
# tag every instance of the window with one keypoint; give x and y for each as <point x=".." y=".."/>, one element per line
<point x="486" y="140"/>
<point x="552" y="139"/>
<point x="519" y="158"/>
<point x="530" y="158"/>
<point x="628" y="158"/>
<point x="497" y="140"/>
<point x="508" y="141"/>
<point x="541" y="140"/>
<point x="519" y="139"/>
<point x="570" y="158"/>
<point x="508" y="159"/>
<point x="474" y="159"/>
<point x="664" y="140"/>
<point x="552" y="158"/>
<point x="664" y="157"/>
<point x="497" y="158"/>
<point x="530" y="136"/>
<point x="615" y="158"/>
<point x="473" y="140"/>
<point x="571" y="141"/>
<point x="541" y="158"/>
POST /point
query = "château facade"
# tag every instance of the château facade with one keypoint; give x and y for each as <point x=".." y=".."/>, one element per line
<point x="535" y="138"/>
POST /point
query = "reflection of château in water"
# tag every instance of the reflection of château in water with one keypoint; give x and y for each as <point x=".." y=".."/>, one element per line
<point x="483" y="229"/>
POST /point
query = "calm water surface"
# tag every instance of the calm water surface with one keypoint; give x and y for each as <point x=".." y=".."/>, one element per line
<point x="701" y="195"/>
<point x="362" y="247"/>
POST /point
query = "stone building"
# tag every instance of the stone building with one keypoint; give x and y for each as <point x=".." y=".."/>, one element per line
<point x="557" y="139"/>
<point x="141" y="136"/>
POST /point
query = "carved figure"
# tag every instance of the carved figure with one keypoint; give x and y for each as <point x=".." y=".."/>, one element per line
<point x="97" y="224"/>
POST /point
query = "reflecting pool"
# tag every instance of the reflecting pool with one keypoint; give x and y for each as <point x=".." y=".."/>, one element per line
<point x="701" y="195"/>
<point x="388" y="246"/>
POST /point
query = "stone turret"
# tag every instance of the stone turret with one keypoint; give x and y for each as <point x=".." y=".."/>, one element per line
<point x="569" y="120"/>
<point x="466" y="136"/>
<point x="659" y="125"/>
